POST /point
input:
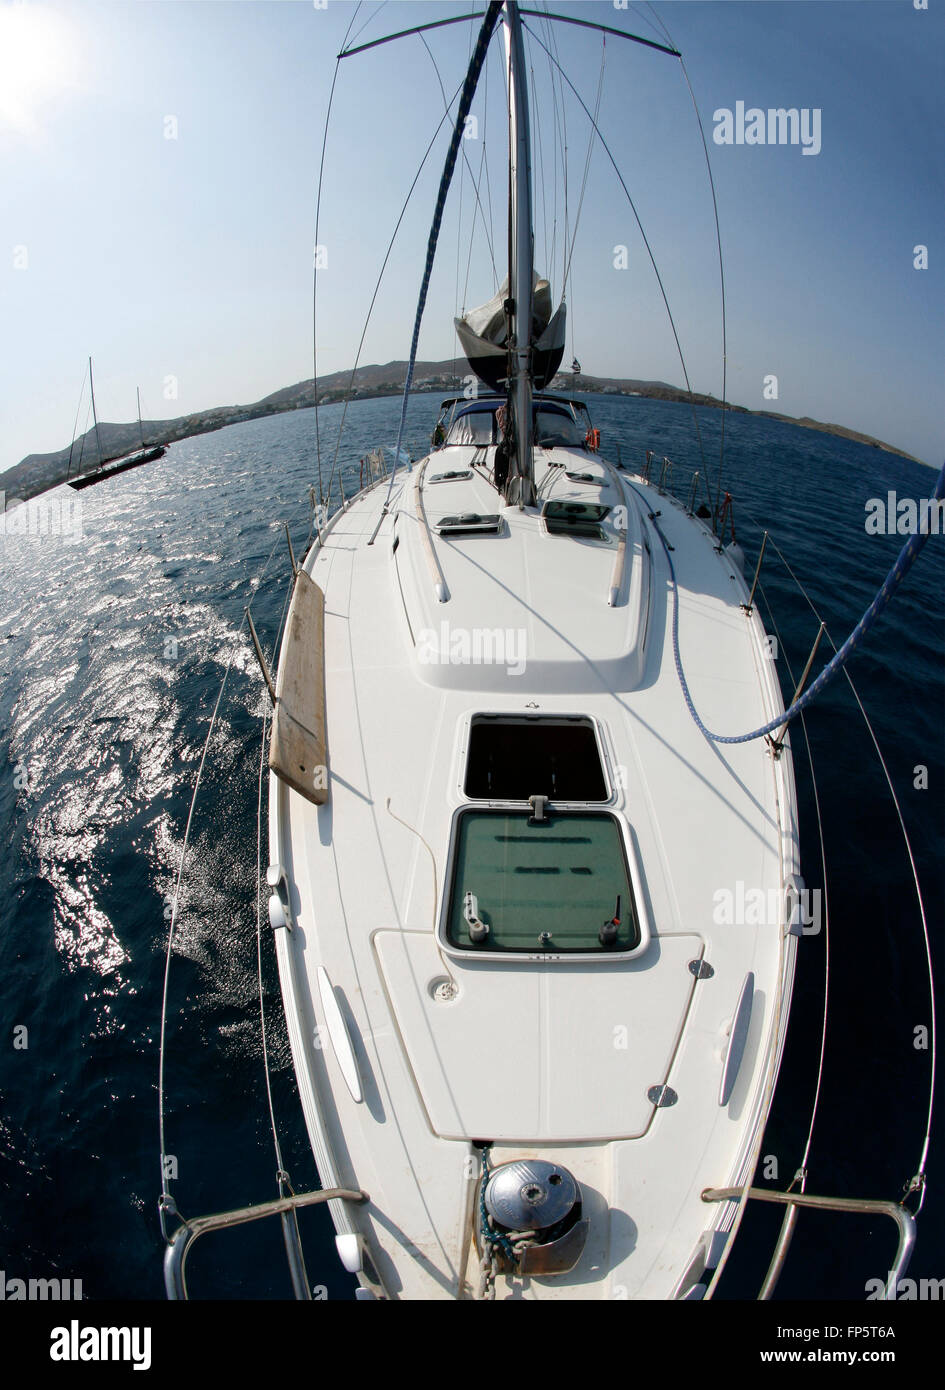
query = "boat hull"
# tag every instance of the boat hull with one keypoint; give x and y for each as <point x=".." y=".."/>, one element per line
<point x="531" y="1059"/>
<point x="111" y="470"/>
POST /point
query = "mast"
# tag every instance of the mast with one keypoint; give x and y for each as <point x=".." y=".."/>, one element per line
<point x="521" y="253"/>
<point x="140" y="426"/>
<point x="98" y="437"/>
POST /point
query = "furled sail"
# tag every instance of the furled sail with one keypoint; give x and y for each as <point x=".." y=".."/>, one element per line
<point x="483" y="333"/>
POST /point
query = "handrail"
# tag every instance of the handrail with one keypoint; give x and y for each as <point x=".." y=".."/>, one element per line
<point x="436" y="572"/>
<point x="620" y="559"/>
<point x="616" y="579"/>
<point x="862" y="1205"/>
<point x="179" y="1243"/>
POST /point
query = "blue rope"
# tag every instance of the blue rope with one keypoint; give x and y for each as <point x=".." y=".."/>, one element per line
<point x="465" y="101"/>
<point x="904" y="562"/>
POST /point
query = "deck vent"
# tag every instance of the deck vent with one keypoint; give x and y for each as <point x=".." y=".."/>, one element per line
<point x="469" y="523"/>
<point x="582" y="478"/>
<point x="454" y="476"/>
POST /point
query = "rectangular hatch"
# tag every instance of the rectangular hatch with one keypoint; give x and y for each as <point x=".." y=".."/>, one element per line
<point x="555" y="887"/>
<point x="513" y="757"/>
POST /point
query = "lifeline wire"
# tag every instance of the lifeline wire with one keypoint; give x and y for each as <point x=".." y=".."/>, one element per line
<point x="801" y="1174"/>
<point x="918" y="1181"/>
<point x="183" y="857"/>
<point x="282" y="1176"/>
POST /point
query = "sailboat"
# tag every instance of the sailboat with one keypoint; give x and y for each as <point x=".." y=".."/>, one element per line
<point x="496" y="836"/>
<point x="535" y="1031"/>
<point x="110" y="467"/>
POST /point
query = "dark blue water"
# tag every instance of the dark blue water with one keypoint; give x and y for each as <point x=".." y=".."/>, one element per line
<point x="113" y="651"/>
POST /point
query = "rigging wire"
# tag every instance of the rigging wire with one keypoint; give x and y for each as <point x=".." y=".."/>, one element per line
<point x="318" y="208"/>
<point x="466" y="164"/>
<point x="88" y="412"/>
<point x="465" y="101"/>
<point x="488" y="173"/>
<point x="85" y="432"/>
<point x="370" y="17"/>
<point x="75" y="423"/>
<point x="537" y="125"/>
<point x="661" y="30"/>
<point x="377" y="287"/>
<point x="459" y="307"/>
<point x="555" y="124"/>
<point x="646" y="243"/>
<point x="564" y="147"/>
<point x="718" y="238"/>
<point x="587" y="165"/>
<point x="459" y="215"/>
<point x="483" y="173"/>
<point x="587" y="160"/>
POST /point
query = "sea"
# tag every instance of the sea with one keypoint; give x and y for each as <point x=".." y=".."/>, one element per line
<point x="116" y="633"/>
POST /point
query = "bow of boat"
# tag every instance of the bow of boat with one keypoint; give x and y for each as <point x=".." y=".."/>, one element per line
<point x="532" y="915"/>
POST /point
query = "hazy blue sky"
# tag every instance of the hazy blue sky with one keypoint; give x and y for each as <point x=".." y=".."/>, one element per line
<point x="191" y="257"/>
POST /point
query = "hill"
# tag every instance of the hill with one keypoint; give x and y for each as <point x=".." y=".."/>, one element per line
<point x="38" y="472"/>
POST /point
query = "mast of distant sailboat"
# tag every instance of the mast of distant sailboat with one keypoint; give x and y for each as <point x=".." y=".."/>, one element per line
<point x="98" y="437"/>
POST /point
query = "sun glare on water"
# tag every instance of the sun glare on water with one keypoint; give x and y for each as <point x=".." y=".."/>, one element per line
<point x="35" y="57"/>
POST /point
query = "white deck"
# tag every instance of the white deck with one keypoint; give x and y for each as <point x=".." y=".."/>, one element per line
<point x="551" y="1059"/>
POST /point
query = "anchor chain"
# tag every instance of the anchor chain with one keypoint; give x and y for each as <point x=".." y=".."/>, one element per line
<point x="496" y="1244"/>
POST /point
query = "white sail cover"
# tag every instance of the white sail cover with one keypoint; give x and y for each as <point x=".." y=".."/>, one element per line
<point x="483" y="333"/>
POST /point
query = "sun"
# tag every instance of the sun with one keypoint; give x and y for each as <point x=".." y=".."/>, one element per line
<point x="33" y="60"/>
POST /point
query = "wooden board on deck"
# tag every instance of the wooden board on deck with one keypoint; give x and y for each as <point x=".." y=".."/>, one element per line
<point x="298" y="752"/>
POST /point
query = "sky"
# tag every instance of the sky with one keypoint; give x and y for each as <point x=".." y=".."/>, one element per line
<point x="159" y="164"/>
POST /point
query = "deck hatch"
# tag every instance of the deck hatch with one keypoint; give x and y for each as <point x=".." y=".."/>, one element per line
<point x="513" y="757"/>
<point x="566" y="518"/>
<point x="555" y="885"/>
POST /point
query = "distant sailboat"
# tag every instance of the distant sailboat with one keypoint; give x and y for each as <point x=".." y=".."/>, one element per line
<point x="576" y="367"/>
<point x="119" y="464"/>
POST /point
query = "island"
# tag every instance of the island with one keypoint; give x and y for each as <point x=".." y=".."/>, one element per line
<point x="38" y="472"/>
